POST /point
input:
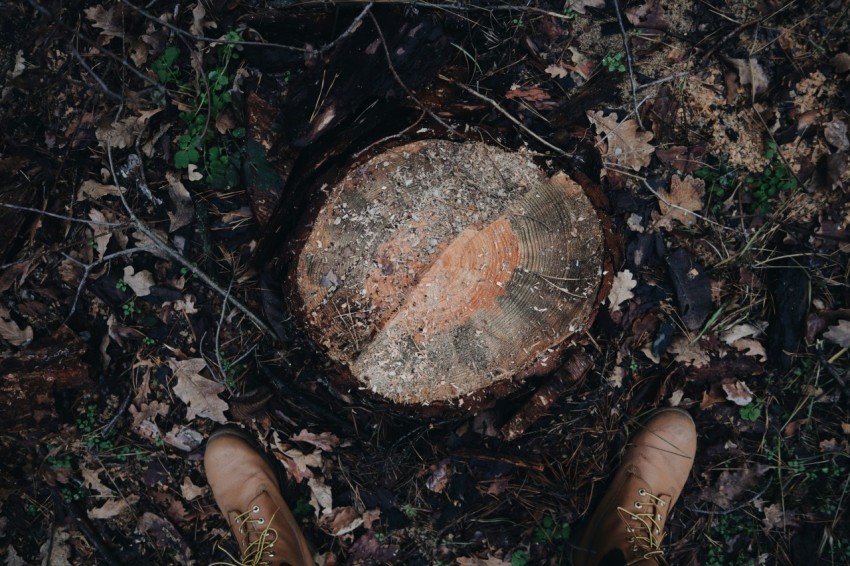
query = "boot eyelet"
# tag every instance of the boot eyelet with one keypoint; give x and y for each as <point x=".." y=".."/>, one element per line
<point x="642" y="492"/>
<point x="256" y="509"/>
<point x="630" y="539"/>
<point x="658" y="517"/>
<point x="638" y="505"/>
<point x="260" y="521"/>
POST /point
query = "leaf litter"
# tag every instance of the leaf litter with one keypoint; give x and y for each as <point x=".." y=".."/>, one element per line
<point x="695" y="302"/>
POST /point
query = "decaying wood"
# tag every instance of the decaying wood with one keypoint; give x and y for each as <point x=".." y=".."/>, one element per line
<point x="29" y="379"/>
<point x="437" y="269"/>
<point x="573" y="371"/>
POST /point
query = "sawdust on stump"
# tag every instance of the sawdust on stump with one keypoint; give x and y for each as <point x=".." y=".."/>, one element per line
<point x="437" y="269"/>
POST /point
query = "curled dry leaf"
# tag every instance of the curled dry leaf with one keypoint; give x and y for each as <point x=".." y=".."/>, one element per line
<point x="684" y="198"/>
<point x="751" y="73"/>
<point x="193" y="174"/>
<point x="621" y="289"/>
<point x="199" y="393"/>
<point x="738" y="392"/>
<point x="839" y="334"/>
<point x="621" y="143"/>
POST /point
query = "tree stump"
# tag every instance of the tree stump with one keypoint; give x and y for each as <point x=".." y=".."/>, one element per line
<point x="438" y="269"/>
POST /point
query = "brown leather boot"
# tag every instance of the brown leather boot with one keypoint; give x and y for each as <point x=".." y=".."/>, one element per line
<point x="628" y="525"/>
<point x="247" y="492"/>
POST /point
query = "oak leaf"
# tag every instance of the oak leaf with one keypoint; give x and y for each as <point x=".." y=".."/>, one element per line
<point x="685" y="196"/>
<point x="689" y="353"/>
<point x="621" y="142"/>
<point x="621" y="289"/>
<point x="199" y="393"/>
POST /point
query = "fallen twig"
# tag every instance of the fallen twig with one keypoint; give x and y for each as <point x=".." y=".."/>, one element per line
<point x="629" y="61"/>
<point x="507" y="114"/>
<point x="404" y="86"/>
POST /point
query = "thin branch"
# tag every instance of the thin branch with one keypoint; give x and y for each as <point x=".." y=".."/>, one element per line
<point x="404" y="86"/>
<point x="87" y="268"/>
<point x="63" y="217"/>
<point x="664" y="80"/>
<point x="213" y="40"/>
<point x="106" y="90"/>
<point x="629" y="61"/>
<point x="351" y="29"/>
<point x="496" y="105"/>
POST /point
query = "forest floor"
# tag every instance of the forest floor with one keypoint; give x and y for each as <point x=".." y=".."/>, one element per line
<point x="133" y="322"/>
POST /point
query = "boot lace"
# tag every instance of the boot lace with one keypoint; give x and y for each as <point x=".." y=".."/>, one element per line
<point x="643" y="525"/>
<point x="259" y="536"/>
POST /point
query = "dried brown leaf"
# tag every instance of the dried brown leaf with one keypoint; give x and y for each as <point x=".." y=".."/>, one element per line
<point x="623" y="144"/>
<point x="621" y="289"/>
<point x="685" y="196"/>
<point x="199" y="393"/>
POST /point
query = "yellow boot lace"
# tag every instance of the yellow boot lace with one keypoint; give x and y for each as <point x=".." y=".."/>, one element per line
<point x="259" y="549"/>
<point x="644" y="528"/>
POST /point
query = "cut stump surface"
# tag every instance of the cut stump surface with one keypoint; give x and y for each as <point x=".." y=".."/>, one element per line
<point x="438" y="269"/>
